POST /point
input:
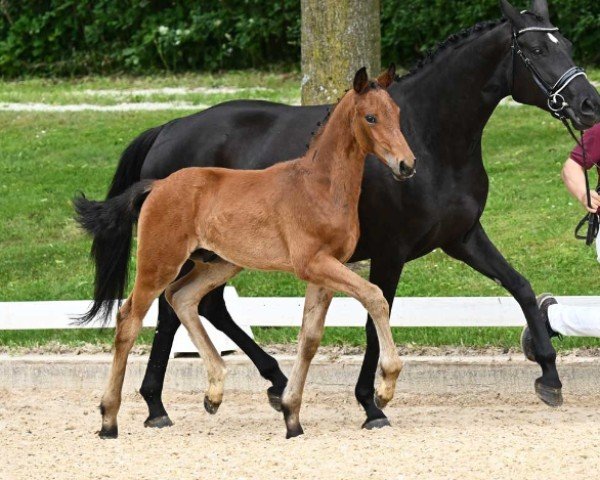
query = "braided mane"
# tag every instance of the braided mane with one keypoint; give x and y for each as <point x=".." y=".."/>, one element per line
<point x="453" y="40"/>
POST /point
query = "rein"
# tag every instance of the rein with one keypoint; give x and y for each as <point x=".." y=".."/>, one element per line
<point x="591" y="219"/>
<point x="557" y="105"/>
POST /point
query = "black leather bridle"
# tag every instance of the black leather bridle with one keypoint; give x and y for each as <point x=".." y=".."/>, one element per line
<point x="556" y="102"/>
<point x="557" y="105"/>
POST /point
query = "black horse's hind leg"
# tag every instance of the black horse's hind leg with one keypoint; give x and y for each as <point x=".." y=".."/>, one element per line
<point x="385" y="273"/>
<point x="479" y="253"/>
<point x="152" y="385"/>
<point x="214" y="309"/>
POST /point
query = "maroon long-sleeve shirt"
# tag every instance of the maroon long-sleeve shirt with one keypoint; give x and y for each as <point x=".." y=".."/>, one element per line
<point x="591" y="142"/>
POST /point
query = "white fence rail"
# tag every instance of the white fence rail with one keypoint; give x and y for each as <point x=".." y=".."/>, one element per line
<point x="287" y="312"/>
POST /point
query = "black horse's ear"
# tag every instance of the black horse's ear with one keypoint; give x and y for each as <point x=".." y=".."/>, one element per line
<point x="360" y="80"/>
<point x="387" y="78"/>
<point x="540" y="7"/>
<point x="512" y="14"/>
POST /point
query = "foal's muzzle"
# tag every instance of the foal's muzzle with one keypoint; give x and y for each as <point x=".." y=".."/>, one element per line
<point x="405" y="171"/>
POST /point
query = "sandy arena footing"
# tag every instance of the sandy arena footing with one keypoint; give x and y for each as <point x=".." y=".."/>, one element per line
<point x="49" y="434"/>
<point x="453" y="418"/>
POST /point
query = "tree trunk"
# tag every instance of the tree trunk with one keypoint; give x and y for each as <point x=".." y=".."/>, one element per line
<point x="338" y="38"/>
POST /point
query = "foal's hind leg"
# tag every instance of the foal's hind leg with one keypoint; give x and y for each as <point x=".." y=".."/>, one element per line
<point x="214" y="309"/>
<point x="316" y="304"/>
<point x="158" y="265"/>
<point x="129" y="323"/>
<point x="184" y="295"/>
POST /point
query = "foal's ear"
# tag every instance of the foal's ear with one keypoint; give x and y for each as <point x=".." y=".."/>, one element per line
<point x="387" y="78"/>
<point x="360" y="80"/>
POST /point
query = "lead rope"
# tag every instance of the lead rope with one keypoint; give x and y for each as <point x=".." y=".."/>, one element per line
<point x="591" y="219"/>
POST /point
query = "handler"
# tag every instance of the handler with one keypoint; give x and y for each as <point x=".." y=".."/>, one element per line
<point x="563" y="319"/>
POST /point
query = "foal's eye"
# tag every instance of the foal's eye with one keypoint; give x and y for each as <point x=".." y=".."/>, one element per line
<point x="372" y="119"/>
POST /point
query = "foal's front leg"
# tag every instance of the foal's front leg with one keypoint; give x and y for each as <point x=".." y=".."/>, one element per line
<point x="316" y="303"/>
<point x="330" y="273"/>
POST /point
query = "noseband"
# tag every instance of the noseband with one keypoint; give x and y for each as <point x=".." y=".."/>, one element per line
<point x="556" y="101"/>
<point x="557" y="105"/>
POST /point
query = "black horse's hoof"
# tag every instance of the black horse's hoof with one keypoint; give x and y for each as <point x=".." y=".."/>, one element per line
<point x="379" y="402"/>
<point x="106" y="433"/>
<point x="158" y="422"/>
<point x="551" y="396"/>
<point x="274" y="395"/>
<point x="376" y="423"/>
<point x="211" y="407"/>
<point x="294" y="432"/>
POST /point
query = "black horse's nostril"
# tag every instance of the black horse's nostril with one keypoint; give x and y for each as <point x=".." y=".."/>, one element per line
<point x="587" y="107"/>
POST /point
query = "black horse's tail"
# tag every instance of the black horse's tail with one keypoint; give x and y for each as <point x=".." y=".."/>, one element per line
<point x="111" y="224"/>
<point x="112" y="242"/>
<point x="130" y="166"/>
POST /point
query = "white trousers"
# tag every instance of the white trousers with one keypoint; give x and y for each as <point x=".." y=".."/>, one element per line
<point x="574" y="321"/>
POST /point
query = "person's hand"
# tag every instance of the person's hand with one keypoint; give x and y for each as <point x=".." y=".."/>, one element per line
<point x="595" y="198"/>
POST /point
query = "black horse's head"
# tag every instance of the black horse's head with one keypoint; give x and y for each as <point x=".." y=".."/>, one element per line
<point x="541" y="58"/>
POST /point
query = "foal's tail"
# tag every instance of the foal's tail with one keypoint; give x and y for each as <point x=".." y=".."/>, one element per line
<point x="111" y="224"/>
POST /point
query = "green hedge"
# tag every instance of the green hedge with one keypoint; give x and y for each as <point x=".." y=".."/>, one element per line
<point x="73" y="37"/>
<point x="409" y="31"/>
<point x="70" y="37"/>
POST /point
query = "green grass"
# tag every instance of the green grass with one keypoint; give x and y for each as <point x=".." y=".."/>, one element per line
<point x="282" y="87"/>
<point x="426" y="336"/>
<point x="504" y="338"/>
<point x="47" y="157"/>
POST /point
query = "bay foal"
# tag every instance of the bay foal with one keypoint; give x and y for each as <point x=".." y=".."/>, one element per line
<point x="299" y="216"/>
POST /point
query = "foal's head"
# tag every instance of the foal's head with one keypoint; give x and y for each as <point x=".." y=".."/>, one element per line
<point x="376" y="123"/>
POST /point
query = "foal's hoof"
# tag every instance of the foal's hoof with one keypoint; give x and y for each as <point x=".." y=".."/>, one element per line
<point x="376" y="423"/>
<point x="274" y="395"/>
<point x="106" y="433"/>
<point x="294" y="432"/>
<point x="380" y="403"/>
<point x="158" y="422"/>
<point x="551" y="396"/>
<point x="211" y="407"/>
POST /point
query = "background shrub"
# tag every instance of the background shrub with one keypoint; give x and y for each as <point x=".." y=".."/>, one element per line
<point x="419" y="25"/>
<point x="74" y="37"/>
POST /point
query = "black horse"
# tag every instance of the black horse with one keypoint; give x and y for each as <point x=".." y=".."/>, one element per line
<point x="446" y="102"/>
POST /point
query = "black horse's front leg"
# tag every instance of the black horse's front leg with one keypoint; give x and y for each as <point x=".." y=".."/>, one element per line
<point x="152" y="385"/>
<point x="480" y="253"/>
<point x="385" y="273"/>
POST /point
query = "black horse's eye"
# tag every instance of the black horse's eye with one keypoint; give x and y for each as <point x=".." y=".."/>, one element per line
<point x="372" y="119"/>
<point x="537" y="51"/>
